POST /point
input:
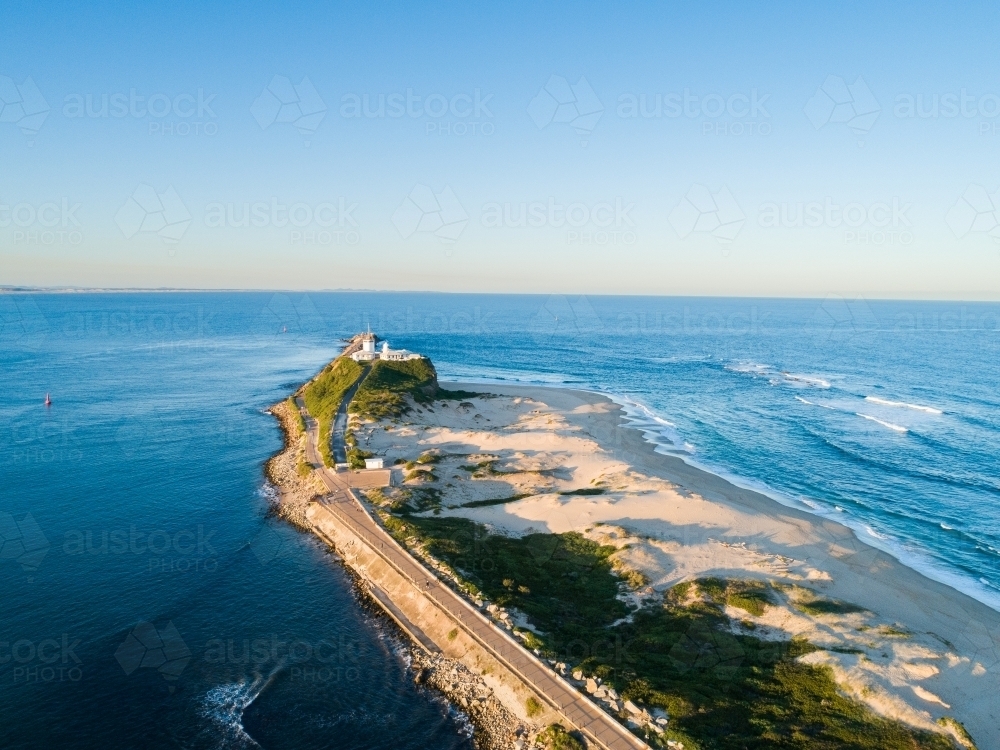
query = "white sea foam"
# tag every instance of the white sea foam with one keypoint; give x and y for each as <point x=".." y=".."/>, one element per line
<point x="903" y="405"/>
<point x="814" y="403"/>
<point x="890" y="425"/>
<point x="749" y="367"/>
<point x="654" y="428"/>
<point x="224" y="706"/>
<point x="807" y="379"/>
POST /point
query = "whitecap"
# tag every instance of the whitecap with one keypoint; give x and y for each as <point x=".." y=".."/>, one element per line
<point x="890" y="425"/>
<point x="903" y="405"/>
<point x="752" y="368"/>
<point x="807" y="379"/>
<point x="876" y="534"/>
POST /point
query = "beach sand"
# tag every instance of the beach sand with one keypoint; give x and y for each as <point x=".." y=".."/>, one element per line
<point x="915" y="649"/>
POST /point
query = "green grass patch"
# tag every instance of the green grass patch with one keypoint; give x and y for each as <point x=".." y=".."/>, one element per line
<point x="722" y="690"/>
<point x="426" y="475"/>
<point x="818" y="606"/>
<point x="555" y="737"/>
<point x="323" y="395"/>
<point x="303" y="468"/>
<point x="748" y="595"/>
<point x="383" y="393"/>
<point x="894" y="632"/>
<point x="356" y="457"/>
<point x="533" y="706"/>
<point x="964" y="738"/>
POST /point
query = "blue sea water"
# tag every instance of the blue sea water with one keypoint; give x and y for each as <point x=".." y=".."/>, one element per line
<point x="146" y="599"/>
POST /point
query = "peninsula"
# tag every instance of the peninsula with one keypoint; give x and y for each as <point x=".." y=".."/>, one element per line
<point x="566" y="586"/>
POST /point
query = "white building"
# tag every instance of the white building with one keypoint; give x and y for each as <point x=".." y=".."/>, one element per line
<point x="368" y="352"/>
<point x="396" y="355"/>
<point x="374" y="463"/>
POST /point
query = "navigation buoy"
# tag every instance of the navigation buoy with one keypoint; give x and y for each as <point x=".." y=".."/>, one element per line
<point x="48" y="401"/>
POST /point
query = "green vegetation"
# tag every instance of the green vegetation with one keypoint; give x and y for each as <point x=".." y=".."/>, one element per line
<point x="382" y="394"/>
<point x="323" y="395"/>
<point x="556" y="738"/>
<point x="722" y="690"/>
<point x="964" y="739"/>
<point x="303" y="468"/>
<point x="894" y="632"/>
<point x="481" y="469"/>
<point x="427" y="475"/>
<point x="585" y="491"/>
<point x="817" y="606"/>
<point x="750" y="596"/>
<point x="407" y="500"/>
<point x="453" y="634"/>
<point x="356" y="457"/>
<point x="293" y="408"/>
<point x="533" y="706"/>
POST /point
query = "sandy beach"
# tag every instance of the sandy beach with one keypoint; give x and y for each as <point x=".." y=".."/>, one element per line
<point x="911" y="648"/>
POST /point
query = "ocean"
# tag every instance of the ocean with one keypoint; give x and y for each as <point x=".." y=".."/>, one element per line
<point x="149" y="600"/>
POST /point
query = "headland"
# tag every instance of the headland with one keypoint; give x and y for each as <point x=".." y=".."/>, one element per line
<point x="691" y="612"/>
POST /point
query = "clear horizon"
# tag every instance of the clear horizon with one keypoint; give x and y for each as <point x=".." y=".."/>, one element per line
<point x="708" y="151"/>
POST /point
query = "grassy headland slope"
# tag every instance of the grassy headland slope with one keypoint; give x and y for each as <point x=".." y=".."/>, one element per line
<point x="323" y="395"/>
<point x="383" y="394"/>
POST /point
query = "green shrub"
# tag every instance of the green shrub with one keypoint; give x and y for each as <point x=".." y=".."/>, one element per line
<point x="556" y="738"/>
<point x="819" y="606"/>
<point x="356" y="457"/>
<point x="533" y="706"/>
<point x="748" y="595"/>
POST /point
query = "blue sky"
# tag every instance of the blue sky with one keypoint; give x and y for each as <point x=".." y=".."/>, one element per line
<point x="704" y="200"/>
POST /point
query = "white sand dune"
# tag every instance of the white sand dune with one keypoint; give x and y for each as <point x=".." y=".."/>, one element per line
<point x="919" y="651"/>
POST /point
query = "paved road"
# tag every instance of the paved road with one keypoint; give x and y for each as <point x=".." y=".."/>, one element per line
<point x="340" y="420"/>
<point x="596" y="725"/>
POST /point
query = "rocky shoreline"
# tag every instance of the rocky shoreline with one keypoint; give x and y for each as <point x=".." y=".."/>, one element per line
<point x="496" y="728"/>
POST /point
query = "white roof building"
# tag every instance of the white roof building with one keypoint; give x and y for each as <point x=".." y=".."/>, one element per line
<point x="367" y="353"/>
